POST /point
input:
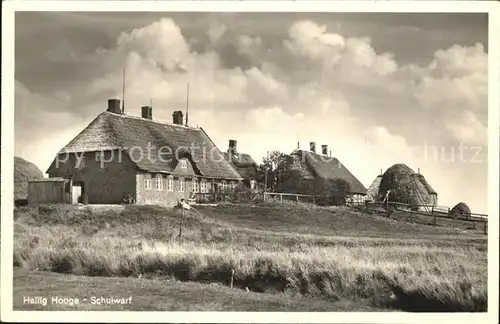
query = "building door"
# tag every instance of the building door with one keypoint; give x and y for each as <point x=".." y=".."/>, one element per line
<point x="76" y="194"/>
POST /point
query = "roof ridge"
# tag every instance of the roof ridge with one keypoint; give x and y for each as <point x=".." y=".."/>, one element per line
<point x="150" y="120"/>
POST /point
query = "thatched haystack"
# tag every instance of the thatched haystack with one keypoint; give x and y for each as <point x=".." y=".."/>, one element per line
<point x="406" y="186"/>
<point x="460" y="209"/>
<point x="24" y="171"/>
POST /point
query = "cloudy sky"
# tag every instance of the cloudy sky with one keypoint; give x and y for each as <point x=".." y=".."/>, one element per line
<point x="378" y="89"/>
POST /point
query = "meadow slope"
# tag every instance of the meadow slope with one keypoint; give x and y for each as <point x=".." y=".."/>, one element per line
<point x="329" y="254"/>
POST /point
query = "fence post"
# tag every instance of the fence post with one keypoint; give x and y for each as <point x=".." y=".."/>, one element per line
<point x="281" y="198"/>
<point x="314" y="200"/>
<point x="297" y="198"/>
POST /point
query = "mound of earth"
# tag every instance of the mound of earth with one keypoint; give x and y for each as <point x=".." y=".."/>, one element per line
<point x="24" y="171"/>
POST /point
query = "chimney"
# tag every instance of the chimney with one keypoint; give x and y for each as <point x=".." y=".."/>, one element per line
<point x="147" y="112"/>
<point x="330" y="153"/>
<point x="114" y="106"/>
<point x="312" y="146"/>
<point x="177" y="117"/>
<point x="232" y="146"/>
<point x="324" y="149"/>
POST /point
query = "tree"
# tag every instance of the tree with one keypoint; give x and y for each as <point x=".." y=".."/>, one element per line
<point x="276" y="166"/>
<point x="334" y="192"/>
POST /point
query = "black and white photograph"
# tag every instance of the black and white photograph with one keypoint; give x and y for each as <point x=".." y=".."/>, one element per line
<point x="295" y="161"/>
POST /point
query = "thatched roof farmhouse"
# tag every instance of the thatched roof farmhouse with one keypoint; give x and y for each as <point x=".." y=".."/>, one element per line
<point x="243" y="163"/>
<point x="146" y="160"/>
<point x="406" y="185"/>
<point x="372" y="191"/>
<point x="311" y="168"/>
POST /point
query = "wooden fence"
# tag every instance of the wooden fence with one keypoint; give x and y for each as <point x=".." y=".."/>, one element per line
<point x="434" y="212"/>
<point x="281" y="196"/>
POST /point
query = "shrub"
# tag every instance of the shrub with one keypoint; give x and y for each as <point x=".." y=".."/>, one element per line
<point x="241" y="193"/>
<point x="334" y="192"/>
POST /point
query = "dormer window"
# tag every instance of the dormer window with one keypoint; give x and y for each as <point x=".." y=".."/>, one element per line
<point x="184" y="164"/>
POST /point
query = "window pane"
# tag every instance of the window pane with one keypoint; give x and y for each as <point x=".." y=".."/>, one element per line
<point x="170" y="183"/>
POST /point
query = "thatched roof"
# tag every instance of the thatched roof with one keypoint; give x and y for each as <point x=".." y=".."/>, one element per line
<point x="401" y="178"/>
<point x="372" y="191"/>
<point x="461" y="209"/>
<point x="424" y="182"/>
<point x="118" y="131"/>
<point x="312" y="165"/>
<point x="24" y="171"/>
<point x="242" y="163"/>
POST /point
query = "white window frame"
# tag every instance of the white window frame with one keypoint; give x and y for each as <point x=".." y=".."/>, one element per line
<point x="223" y="185"/>
<point x="170" y="183"/>
<point x="203" y="185"/>
<point x="159" y="182"/>
<point x="184" y="164"/>
<point x="147" y="182"/>
<point x="182" y="184"/>
<point x="194" y="185"/>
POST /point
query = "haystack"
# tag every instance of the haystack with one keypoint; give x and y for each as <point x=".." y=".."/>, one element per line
<point x="460" y="209"/>
<point x="24" y="171"/>
<point x="406" y="186"/>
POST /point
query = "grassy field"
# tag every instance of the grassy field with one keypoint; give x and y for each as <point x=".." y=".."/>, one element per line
<point x="332" y="257"/>
<point x="170" y="295"/>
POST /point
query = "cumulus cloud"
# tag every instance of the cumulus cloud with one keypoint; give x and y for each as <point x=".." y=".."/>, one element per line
<point x="313" y="85"/>
<point x="249" y="46"/>
<point x="41" y="129"/>
<point x="216" y="32"/>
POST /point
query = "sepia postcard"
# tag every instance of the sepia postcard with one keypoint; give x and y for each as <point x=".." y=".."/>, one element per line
<point x="250" y="161"/>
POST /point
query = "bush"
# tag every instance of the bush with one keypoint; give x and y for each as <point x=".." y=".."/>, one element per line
<point x="334" y="192"/>
<point x="241" y="193"/>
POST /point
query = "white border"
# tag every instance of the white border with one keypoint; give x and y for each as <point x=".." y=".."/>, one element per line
<point x="8" y="28"/>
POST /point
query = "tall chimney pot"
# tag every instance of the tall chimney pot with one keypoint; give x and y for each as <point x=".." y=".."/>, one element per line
<point x="312" y="146"/>
<point x="232" y="146"/>
<point x="114" y="106"/>
<point x="324" y="149"/>
<point x="147" y="112"/>
<point x="177" y="117"/>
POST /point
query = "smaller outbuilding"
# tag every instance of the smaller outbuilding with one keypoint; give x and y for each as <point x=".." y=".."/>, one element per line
<point x="50" y="191"/>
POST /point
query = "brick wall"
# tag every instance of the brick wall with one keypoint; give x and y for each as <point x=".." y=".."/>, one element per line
<point x="106" y="184"/>
<point x="153" y="196"/>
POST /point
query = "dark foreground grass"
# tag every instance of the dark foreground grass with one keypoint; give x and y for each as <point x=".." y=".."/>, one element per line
<point x="308" y="252"/>
<point x="151" y="295"/>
